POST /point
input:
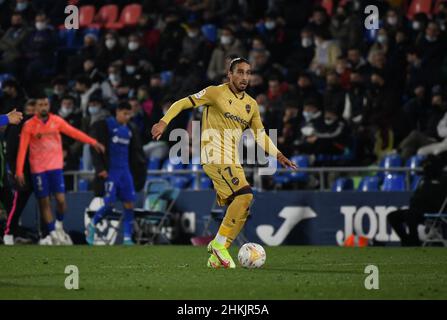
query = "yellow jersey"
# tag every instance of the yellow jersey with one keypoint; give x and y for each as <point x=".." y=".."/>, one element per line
<point x="225" y="116"/>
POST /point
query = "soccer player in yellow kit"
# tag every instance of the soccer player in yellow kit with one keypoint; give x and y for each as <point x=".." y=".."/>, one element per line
<point x="228" y="111"/>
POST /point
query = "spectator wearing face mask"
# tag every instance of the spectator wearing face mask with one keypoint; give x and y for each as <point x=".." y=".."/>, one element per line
<point x="433" y="50"/>
<point x="88" y="51"/>
<point x="26" y="9"/>
<point x="334" y="137"/>
<point x="97" y="111"/>
<point x="228" y="46"/>
<point x="60" y="90"/>
<point x="109" y="52"/>
<point x="313" y="122"/>
<point x="393" y="21"/>
<point x="11" y="43"/>
<point x="193" y="45"/>
<point x="301" y="54"/>
<point x="72" y="149"/>
<point x="84" y="88"/>
<point x="136" y="52"/>
<point x="275" y="37"/>
<point x="39" y="50"/>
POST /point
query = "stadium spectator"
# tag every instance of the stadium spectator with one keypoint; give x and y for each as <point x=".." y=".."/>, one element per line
<point x="88" y="51"/>
<point x="193" y="45"/>
<point x="109" y="52"/>
<point x="26" y="9"/>
<point x="13" y="96"/>
<point x="313" y="122"/>
<point x="326" y="53"/>
<point x="229" y="45"/>
<point x="60" y="89"/>
<point x="300" y="55"/>
<point x="39" y="50"/>
<point x="71" y="149"/>
<point x="84" y="88"/>
<point x="346" y="28"/>
<point x="11" y="44"/>
<point x="21" y="193"/>
<point x="427" y="198"/>
<point x="427" y="134"/>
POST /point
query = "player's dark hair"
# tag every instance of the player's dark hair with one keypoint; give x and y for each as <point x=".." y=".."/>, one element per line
<point x="40" y="95"/>
<point x="237" y="61"/>
<point x="123" y="105"/>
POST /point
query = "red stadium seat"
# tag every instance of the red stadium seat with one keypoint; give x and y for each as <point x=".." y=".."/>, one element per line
<point x="86" y="15"/>
<point x="418" y="6"/>
<point x="129" y="17"/>
<point x="107" y="14"/>
<point x="328" y="5"/>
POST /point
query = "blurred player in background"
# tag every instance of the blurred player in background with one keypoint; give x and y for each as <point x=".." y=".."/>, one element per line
<point x="6" y="194"/>
<point x="227" y="107"/>
<point x="122" y="158"/>
<point x="21" y="194"/>
<point x="42" y="134"/>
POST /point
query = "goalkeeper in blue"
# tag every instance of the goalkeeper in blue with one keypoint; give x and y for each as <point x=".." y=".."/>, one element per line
<point x="113" y="169"/>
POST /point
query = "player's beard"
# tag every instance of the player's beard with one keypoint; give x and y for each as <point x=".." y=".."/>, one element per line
<point x="43" y="113"/>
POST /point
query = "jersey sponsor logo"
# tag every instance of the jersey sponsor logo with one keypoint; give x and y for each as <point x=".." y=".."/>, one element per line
<point x="236" y="118"/>
<point x="116" y="139"/>
<point x="247" y="108"/>
<point x="200" y="94"/>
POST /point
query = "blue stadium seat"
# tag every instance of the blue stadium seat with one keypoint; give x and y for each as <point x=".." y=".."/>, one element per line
<point x="370" y="183"/>
<point x="83" y="185"/>
<point x="343" y="184"/>
<point x="413" y="163"/>
<point x="166" y="77"/>
<point x="209" y="31"/>
<point x="177" y="180"/>
<point x="68" y="39"/>
<point x="394" y="182"/>
<point x="153" y="164"/>
<point x="302" y="161"/>
<point x="389" y="161"/>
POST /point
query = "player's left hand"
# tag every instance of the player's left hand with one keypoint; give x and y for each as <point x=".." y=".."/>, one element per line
<point x="286" y="163"/>
<point x="99" y="147"/>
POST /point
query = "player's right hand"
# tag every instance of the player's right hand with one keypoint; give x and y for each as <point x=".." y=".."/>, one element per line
<point x="14" y="117"/>
<point x="103" y="174"/>
<point x="99" y="147"/>
<point x="158" y="129"/>
<point x="20" y="180"/>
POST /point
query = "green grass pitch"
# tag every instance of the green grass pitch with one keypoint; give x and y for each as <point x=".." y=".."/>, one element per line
<point x="179" y="272"/>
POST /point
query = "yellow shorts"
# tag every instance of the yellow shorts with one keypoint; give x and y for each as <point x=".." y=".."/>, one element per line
<point x="227" y="179"/>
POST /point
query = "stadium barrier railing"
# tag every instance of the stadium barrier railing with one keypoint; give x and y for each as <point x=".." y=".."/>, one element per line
<point x="258" y="181"/>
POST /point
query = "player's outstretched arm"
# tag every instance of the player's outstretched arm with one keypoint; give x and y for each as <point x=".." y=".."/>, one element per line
<point x="177" y="107"/>
<point x="158" y="129"/>
<point x="76" y="134"/>
<point x="263" y="140"/>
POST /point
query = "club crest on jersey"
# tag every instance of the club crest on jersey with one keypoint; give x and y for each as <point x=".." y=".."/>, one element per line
<point x="230" y="101"/>
<point x="247" y="108"/>
<point x="235" y="181"/>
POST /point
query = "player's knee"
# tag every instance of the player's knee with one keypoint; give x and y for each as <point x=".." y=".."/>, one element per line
<point x="244" y="197"/>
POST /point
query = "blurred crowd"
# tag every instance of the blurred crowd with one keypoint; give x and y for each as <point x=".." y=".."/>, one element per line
<point x="336" y="91"/>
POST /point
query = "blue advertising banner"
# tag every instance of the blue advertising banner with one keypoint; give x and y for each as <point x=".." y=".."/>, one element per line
<point x="277" y="217"/>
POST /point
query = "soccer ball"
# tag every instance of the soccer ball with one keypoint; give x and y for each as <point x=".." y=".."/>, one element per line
<point x="251" y="255"/>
